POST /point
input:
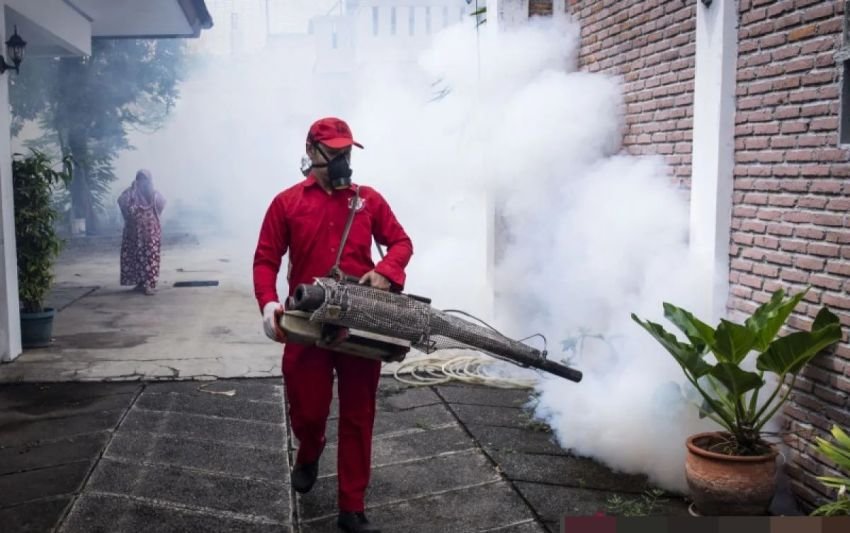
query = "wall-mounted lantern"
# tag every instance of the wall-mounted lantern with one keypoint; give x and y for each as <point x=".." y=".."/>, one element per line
<point x="15" y="51"/>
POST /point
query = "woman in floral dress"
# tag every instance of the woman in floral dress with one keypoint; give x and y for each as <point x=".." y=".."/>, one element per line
<point x="141" y="205"/>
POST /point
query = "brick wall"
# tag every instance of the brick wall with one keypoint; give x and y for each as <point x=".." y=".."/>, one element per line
<point x="790" y="223"/>
<point x="651" y="45"/>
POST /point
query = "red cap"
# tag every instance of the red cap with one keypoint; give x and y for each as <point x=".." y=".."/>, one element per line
<point x="331" y="132"/>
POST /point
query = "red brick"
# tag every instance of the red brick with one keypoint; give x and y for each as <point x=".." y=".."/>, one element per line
<point x="794" y="276"/>
<point x="793" y="246"/>
<point x="819" y="12"/>
<point x="824" y="186"/>
<point x="778" y="258"/>
<point x="753" y="226"/>
<point x="841" y="237"/>
<point x="782" y="200"/>
<point x="825" y="282"/>
<point x="809" y="263"/>
<point x="809" y="233"/>
<point x="750" y="281"/>
<point x="832" y="300"/>
<point x="828" y="123"/>
<point x="803" y="63"/>
<point x="765" y="270"/>
<point x="784" y="230"/>
<point x="824" y="219"/>
<point x="764" y="241"/>
<point x="839" y="204"/>
<point x="812" y="202"/>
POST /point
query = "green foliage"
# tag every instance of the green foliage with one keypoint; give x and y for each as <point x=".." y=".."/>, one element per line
<point x="729" y="390"/>
<point x="649" y="503"/>
<point x="34" y="180"/>
<point x="87" y="107"/>
<point x="839" y="453"/>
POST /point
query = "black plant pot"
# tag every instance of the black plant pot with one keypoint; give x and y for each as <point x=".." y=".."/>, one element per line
<point x="37" y="328"/>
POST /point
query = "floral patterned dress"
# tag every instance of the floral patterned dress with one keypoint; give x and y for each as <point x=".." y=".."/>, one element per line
<point x="140" y="247"/>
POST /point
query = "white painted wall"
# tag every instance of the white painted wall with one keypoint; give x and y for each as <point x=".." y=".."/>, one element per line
<point x="713" y="144"/>
<point x="10" y="332"/>
<point x="55" y="21"/>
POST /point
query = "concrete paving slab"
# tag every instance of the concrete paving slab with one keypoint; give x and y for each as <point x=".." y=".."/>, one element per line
<point x="35" y="517"/>
<point x="250" y="433"/>
<point x="72" y="407"/>
<point x="568" y="471"/>
<point x="58" y="395"/>
<point x="34" y="484"/>
<point x="553" y="502"/>
<point x="260" y="390"/>
<point x="211" y="405"/>
<point x="494" y="416"/>
<point x="427" y="417"/>
<point x="524" y="527"/>
<point x="398" y="399"/>
<point x="62" y="295"/>
<point x="113" y="333"/>
<point x="392" y="483"/>
<point x="516" y="440"/>
<point x="207" y="455"/>
<point x="20" y="433"/>
<point x="488" y="507"/>
<point x="406" y="446"/>
<point x="55" y="453"/>
<point x="480" y="395"/>
<point x="193" y="488"/>
<point x="102" y="513"/>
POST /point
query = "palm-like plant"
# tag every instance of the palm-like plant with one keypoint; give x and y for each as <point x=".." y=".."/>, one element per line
<point x="839" y="453"/>
<point x="730" y="391"/>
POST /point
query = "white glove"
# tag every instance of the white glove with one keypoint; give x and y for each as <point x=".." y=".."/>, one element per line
<point x="271" y="315"/>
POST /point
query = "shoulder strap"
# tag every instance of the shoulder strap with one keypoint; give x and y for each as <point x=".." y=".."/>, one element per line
<point x="355" y="200"/>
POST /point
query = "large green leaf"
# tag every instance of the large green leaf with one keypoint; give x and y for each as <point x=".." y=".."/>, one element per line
<point x="686" y="355"/>
<point x="732" y="342"/>
<point x="699" y="333"/>
<point x="736" y="381"/>
<point x="768" y="319"/>
<point x="792" y="352"/>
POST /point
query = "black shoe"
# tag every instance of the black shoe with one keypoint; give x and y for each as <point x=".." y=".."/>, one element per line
<point x="303" y="476"/>
<point x="355" y="523"/>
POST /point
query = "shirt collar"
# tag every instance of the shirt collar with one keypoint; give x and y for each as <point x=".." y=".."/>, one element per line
<point x="311" y="181"/>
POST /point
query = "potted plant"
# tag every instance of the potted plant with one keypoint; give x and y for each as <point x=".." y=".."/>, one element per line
<point x="839" y="453"/>
<point x="34" y="179"/>
<point x="733" y="471"/>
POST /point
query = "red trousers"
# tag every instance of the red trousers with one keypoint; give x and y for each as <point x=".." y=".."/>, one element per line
<point x="308" y="375"/>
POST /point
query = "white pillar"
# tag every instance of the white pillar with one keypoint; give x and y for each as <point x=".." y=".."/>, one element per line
<point x="10" y="325"/>
<point x="713" y="144"/>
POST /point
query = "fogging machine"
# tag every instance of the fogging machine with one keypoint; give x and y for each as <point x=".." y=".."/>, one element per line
<point x="346" y="317"/>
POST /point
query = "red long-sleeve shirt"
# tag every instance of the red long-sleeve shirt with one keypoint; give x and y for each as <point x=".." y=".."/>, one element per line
<point x="308" y="222"/>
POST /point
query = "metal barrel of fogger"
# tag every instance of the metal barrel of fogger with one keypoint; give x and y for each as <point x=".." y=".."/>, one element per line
<point x="411" y="323"/>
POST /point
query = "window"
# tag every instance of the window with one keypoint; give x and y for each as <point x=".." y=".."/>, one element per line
<point x="428" y="20"/>
<point x="334" y="42"/>
<point x="411" y="20"/>
<point x="445" y="16"/>
<point x="392" y="21"/>
<point x="462" y="11"/>
<point x="375" y="15"/>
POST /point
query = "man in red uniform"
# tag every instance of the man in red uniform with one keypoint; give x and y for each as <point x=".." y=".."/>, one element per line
<point x="307" y="220"/>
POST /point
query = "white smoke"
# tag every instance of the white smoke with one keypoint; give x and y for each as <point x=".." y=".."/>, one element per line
<point x="587" y="235"/>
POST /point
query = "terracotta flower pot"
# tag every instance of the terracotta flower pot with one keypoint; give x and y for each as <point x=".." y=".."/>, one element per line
<point x="727" y="484"/>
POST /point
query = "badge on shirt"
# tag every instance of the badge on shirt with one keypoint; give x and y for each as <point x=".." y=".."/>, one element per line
<point x="360" y="203"/>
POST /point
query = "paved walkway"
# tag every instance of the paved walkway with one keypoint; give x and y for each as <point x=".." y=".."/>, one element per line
<point x="214" y="456"/>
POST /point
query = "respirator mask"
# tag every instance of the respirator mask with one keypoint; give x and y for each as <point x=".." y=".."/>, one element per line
<point x="339" y="168"/>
